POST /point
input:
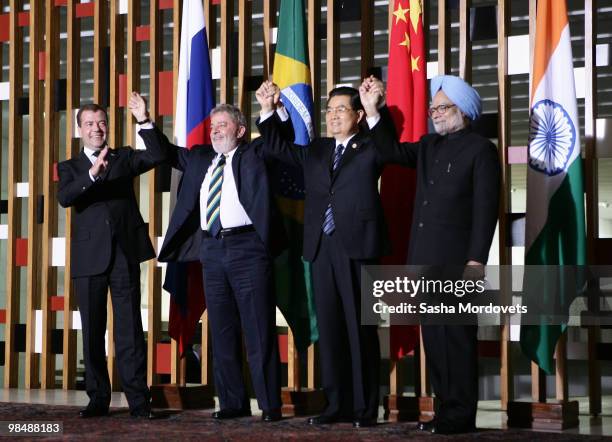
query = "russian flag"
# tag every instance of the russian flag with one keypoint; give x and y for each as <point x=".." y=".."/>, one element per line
<point x="194" y="101"/>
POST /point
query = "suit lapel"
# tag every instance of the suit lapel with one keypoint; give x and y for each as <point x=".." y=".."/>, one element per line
<point x="322" y="151"/>
<point x="111" y="158"/>
<point x="236" y="163"/>
<point x="202" y="166"/>
<point x="350" y="151"/>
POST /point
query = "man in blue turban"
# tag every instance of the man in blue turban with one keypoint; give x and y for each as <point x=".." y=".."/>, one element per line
<point x="454" y="218"/>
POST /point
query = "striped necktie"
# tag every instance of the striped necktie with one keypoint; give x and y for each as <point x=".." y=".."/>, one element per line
<point x="213" y="204"/>
<point x="329" y="226"/>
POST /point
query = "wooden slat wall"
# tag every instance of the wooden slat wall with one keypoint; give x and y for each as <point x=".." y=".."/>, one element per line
<point x="14" y="204"/>
<point x="314" y="55"/>
<point x="48" y="282"/>
<point x="333" y="47"/>
<point x="244" y="56"/>
<point x="591" y="190"/>
<point x="73" y="78"/>
<point x="176" y="44"/>
<point x="503" y="31"/>
<point x="227" y="33"/>
<point x="465" y="45"/>
<point x="44" y="152"/>
<point x="35" y="145"/>
<point x="155" y="202"/>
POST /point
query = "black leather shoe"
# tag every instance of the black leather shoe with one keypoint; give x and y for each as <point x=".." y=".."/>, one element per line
<point x="271" y="415"/>
<point x="424" y="425"/>
<point x="323" y="419"/>
<point x="144" y="413"/>
<point x="363" y="423"/>
<point x="230" y="413"/>
<point x="93" y="412"/>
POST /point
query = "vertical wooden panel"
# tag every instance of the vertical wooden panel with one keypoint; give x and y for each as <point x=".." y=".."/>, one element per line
<point x="14" y="205"/>
<point x="35" y="146"/>
<point x="538" y="377"/>
<point x="244" y="57"/>
<point x="176" y="45"/>
<point x="561" y="369"/>
<point x="227" y="33"/>
<point x="333" y="47"/>
<point x="115" y="139"/>
<point x="443" y="38"/>
<point x="155" y="203"/>
<point x="48" y="282"/>
<point x="465" y="46"/>
<point x="269" y="22"/>
<point x="591" y="190"/>
<point x="73" y="77"/>
<point x="100" y="42"/>
<point x="314" y="58"/>
<point x="211" y="23"/>
<point x="503" y="31"/>
<point x="367" y="35"/>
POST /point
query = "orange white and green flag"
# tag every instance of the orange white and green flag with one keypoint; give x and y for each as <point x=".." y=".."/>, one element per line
<point x="555" y="225"/>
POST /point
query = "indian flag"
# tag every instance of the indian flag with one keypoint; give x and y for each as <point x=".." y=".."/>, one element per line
<point x="555" y="226"/>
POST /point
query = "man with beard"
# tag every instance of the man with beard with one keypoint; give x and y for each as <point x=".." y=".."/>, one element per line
<point x="226" y="218"/>
<point x="455" y="213"/>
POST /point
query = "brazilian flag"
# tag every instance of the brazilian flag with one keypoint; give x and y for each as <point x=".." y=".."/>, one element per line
<point x="292" y="74"/>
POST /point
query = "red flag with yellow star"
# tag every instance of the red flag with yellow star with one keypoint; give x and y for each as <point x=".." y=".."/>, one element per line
<point x="407" y="102"/>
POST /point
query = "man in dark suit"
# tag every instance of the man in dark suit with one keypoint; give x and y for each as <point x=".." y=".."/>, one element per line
<point x="226" y="218"/>
<point x="109" y="241"/>
<point x="344" y="228"/>
<point x="455" y="214"/>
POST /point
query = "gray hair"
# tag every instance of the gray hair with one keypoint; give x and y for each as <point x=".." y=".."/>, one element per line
<point x="233" y="111"/>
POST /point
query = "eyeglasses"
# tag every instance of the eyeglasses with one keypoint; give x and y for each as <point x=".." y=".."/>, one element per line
<point x="441" y="109"/>
<point x="337" y="110"/>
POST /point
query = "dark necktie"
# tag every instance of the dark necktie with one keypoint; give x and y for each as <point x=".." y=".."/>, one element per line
<point x="213" y="204"/>
<point x="329" y="226"/>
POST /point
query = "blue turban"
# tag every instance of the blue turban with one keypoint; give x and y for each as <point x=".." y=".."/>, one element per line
<point x="460" y="93"/>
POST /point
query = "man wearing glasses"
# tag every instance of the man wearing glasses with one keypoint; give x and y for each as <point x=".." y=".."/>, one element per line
<point x="454" y="218"/>
<point x="344" y="228"/>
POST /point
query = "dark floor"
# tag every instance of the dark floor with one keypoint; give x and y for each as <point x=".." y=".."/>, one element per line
<point x="198" y="425"/>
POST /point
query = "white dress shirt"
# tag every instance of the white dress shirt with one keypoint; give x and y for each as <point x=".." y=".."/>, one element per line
<point x="90" y="155"/>
<point x="232" y="214"/>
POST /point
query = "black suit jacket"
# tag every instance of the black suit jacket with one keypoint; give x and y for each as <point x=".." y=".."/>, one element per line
<point x="184" y="235"/>
<point x="352" y="189"/>
<point x="106" y="209"/>
<point x="457" y="195"/>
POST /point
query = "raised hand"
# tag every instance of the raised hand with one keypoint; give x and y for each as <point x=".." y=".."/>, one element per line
<point x="138" y="106"/>
<point x="268" y="96"/>
<point x="99" y="166"/>
<point x="372" y="95"/>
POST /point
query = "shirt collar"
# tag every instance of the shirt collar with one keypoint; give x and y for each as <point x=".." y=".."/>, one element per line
<point x="346" y="141"/>
<point x="228" y="155"/>
<point x="89" y="151"/>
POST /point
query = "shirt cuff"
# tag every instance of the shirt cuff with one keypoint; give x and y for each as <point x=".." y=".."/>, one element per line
<point x="147" y="125"/>
<point x="92" y="177"/>
<point x="282" y="113"/>
<point x="373" y="120"/>
<point x="264" y="116"/>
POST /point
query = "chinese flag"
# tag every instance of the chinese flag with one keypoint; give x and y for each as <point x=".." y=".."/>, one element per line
<point x="407" y="102"/>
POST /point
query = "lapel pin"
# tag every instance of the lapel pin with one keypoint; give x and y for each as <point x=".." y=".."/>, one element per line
<point x="354" y="145"/>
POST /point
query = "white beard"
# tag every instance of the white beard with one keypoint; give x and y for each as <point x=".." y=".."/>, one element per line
<point x="225" y="145"/>
<point x="450" y="124"/>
